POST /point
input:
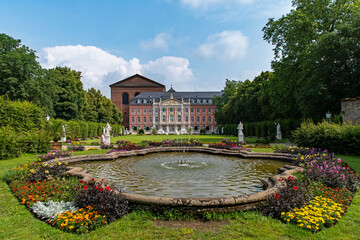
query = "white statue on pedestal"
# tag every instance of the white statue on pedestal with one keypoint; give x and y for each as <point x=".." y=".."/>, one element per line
<point x="278" y="132"/>
<point x="63" y="137"/>
<point x="240" y="132"/>
<point x="107" y="134"/>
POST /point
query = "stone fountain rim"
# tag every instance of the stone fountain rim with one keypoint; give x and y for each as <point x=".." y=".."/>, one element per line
<point x="245" y="201"/>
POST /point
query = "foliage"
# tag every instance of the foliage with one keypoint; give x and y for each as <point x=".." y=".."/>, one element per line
<point x="337" y="138"/>
<point x="103" y="198"/>
<point x="141" y="131"/>
<point x="229" y="145"/>
<point x="76" y="147"/>
<point x="323" y="167"/>
<point x="48" y="210"/>
<point x="14" y="143"/>
<point x="46" y="170"/>
<point x="99" y="108"/>
<point x="319" y="213"/>
<point x="53" y="189"/>
<point x="54" y="155"/>
<point x="316" y="57"/>
<point x="339" y="195"/>
<point x="293" y="195"/>
<point x="109" y="146"/>
<point x="79" y="221"/>
<point x="21" y="76"/>
<point x="21" y="115"/>
<point x="293" y="150"/>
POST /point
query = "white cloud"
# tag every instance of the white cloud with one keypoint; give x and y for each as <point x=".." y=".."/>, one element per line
<point x="159" y="42"/>
<point x="227" y="45"/>
<point x="100" y="68"/>
<point x="204" y="4"/>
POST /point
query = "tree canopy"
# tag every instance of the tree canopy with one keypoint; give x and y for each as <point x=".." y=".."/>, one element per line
<point x="59" y="91"/>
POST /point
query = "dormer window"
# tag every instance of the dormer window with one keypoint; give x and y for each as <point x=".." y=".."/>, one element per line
<point x="139" y="101"/>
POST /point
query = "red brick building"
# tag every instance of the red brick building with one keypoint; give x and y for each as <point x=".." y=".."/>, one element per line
<point x="146" y="105"/>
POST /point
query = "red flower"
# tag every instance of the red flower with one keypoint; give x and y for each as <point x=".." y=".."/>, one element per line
<point x="295" y="188"/>
<point x="108" y="188"/>
<point x="85" y="187"/>
<point x="81" y="181"/>
<point x="101" y="189"/>
<point x="277" y="196"/>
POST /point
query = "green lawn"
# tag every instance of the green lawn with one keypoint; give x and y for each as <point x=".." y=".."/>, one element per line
<point x="16" y="222"/>
<point x="159" y="138"/>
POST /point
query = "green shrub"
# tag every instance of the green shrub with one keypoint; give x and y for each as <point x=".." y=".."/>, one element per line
<point x="337" y="138"/>
<point x="21" y="116"/>
<point x="8" y="143"/>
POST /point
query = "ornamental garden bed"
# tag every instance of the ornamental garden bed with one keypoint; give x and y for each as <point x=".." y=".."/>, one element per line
<point x="313" y="200"/>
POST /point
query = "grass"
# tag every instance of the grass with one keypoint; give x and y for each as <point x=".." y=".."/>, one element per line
<point x="158" y="138"/>
<point x="16" y="222"/>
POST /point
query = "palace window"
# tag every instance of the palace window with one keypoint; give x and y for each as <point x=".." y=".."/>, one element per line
<point x="171" y="118"/>
<point x="138" y="111"/>
<point x="209" y="119"/>
<point x="144" y="111"/>
<point x="171" y="110"/>
<point x="156" y="110"/>
<point x="179" y="118"/>
<point x="186" y="119"/>
<point x="132" y="110"/>
<point x="192" y="110"/>
<point x="145" y="100"/>
<point x="204" y="110"/>
<point x="198" y="110"/>
<point x="197" y="119"/>
<point x="164" y="109"/>
<point x="150" y="110"/>
<point x="150" y="120"/>
<point x="132" y="120"/>
<point x="203" y="119"/>
<point x="156" y="119"/>
<point x="186" y="110"/>
<point x="164" y="118"/>
<point x="192" y="119"/>
<point x="139" y="101"/>
<point x="179" y="109"/>
<point x="209" y="110"/>
<point x="144" y="119"/>
<point x="138" y="120"/>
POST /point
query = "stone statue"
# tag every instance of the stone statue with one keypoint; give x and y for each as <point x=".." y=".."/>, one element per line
<point x="278" y="132"/>
<point x="107" y="129"/>
<point x="63" y="137"/>
<point x="107" y="134"/>
<point x="240" y="132"/>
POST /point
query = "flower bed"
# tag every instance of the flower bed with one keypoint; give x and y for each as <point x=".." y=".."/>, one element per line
<point x="327" y="188"/>
<point x="316" y="201"/>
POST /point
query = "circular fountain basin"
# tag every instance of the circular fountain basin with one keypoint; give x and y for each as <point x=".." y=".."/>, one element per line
<point x="184" y="175"/>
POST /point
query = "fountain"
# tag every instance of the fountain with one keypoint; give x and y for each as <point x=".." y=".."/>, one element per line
<point x="191" y="180"/>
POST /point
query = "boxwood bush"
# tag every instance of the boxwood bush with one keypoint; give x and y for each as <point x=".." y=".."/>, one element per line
<point x="339" y="138"/>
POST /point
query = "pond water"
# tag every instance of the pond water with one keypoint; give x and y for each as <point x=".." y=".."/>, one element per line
<point x="187" y="175"/>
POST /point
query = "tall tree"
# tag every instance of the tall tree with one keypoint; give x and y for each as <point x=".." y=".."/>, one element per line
<point x="21" y="76"/>
<point x="317" y="55"/>
<point x="68" y="96"/>
<point x="99" y="108"/>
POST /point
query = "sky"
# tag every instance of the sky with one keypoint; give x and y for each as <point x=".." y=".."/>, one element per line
<point x="193" y="45"/>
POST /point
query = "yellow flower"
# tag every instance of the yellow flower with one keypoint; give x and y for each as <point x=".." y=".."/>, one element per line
<point x="47" y="171"/>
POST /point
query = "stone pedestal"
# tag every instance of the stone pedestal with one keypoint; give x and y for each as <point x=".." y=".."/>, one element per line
<point x="107" y="140"/>
<point x="63" y="139"/>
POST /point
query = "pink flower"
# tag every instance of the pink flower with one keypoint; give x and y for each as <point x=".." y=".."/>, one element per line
<point x="339" y="160"/>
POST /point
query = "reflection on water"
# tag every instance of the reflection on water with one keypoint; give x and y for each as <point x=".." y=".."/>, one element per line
<point x="184" y="174"/>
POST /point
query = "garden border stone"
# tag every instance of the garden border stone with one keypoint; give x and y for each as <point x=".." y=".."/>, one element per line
<point x="194" y="205"/>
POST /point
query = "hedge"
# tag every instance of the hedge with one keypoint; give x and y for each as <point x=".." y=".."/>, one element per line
<point x="339" y="138"/>
<point x="263" y="129"/>
<point x="21" y="115"/>
<point x="82" y="129"/>
<point x="14" y="143"/>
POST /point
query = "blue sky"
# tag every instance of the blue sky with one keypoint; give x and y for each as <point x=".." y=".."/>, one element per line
<point x="191" y="44"/>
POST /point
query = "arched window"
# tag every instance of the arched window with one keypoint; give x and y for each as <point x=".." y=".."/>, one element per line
<point x="125" y="98"/>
